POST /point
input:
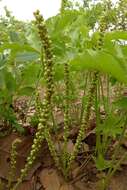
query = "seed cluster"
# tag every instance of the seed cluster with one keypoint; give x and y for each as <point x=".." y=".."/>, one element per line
<point x="102" y="28"/>
<point x="63" y="5"/>
<point x="48" y="75"/>
<point x="13" y="161"/>
<point x="48" y="59"/>
<point x="122" y="15"/>
<point x="91" y="94"/>
<point x="66" y="107"/>
<point x="85" y="119"/>
<point x="65" y="155"/>
<point x="38" y="104"/>
<point x="66" y="116"/>
<point x="43" y="129"/>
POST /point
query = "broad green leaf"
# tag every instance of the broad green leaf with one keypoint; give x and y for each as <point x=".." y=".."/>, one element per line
<point x="84" y="30"/>
<point x="14" y="36"/>
<point x="116" y="35"/>
<point x="117" y="51"/>
<point x="121" y="103"/>
<point x="101" y="163"/>
<point x="2" y="62"/>
<point x="5" y="96"/>
<point x="58" y="47"/>
<point x="111" y="126"/>
<point x="124" y="48"/>
<point x="26" y="56"/>
<point x="2" y="81"/>
<point x="10" y="81"/>
<point x="16" y="47"/>
<point x="26" y="91"/>
<point x="19" y="128"/>
<point x="33" y="38"/>
<point x="100" y="61"/>
<point x="59" y="23"/>
<point x="59" y="72"/>
<point x="30" y="74"/>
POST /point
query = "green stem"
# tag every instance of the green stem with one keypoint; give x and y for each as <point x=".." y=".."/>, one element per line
<point x="84" y="92"/>
<point x="66" y="117"/>
<point x="115" y="166"/>
<point x="85" y="120"/>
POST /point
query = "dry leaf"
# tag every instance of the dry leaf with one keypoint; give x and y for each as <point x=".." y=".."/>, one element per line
<point x="23" y="150"/>
<point x="70" y="146"/>
<point x="81" y="186"/>
<point x="28" y="185"/>
<point x="60" y="145"/>
<point x="67" y="187"/>
<point x="50" y="179"/>
<point x="119" y="181"/>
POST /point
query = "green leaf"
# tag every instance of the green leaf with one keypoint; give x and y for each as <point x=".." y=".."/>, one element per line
<point x="30" y="74"/>
<point x="10" y="81"/>
<point x="3" y="62"/>
<point x="121" y="103"/>
<point x="5" y="97"/>
<point x="59" y="72"/>
<point x="100" y="61"/>
<point x="16" y="47"/>
<point x="59" y="23"/>
<point x="33" y="38"/>
<point x="2" y="82"/>
<point x="116" y="50"/>
<point x="116" y="35"/>
<point x="26" y="56"/>
<point x="26" y="91"/>
<point x="111" y="126"/>
<point x="19" y="128"/>
<point x="101" y="163"/>
<point x="14" y="36"/>
<point x="124" y="48"/>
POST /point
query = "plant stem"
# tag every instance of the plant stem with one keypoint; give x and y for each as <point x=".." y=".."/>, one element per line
<point x="114" y="166"/>
<point x="84" y="92"/>
<point x="85" y="119"/>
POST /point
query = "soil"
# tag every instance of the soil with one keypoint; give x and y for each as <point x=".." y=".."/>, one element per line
<point x="45" y="176"/>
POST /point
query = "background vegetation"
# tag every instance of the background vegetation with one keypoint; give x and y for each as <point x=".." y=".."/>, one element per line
<point x="74" y="63"/>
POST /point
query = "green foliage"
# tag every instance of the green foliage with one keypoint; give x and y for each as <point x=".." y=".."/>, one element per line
<point x="101" y="163"/>
<point x="121" y="103"/>
<point x="101" y="61"/>
<point x="111" y="126"/>
<point x="116" y="35"/>
<point x="90" y="39"/>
